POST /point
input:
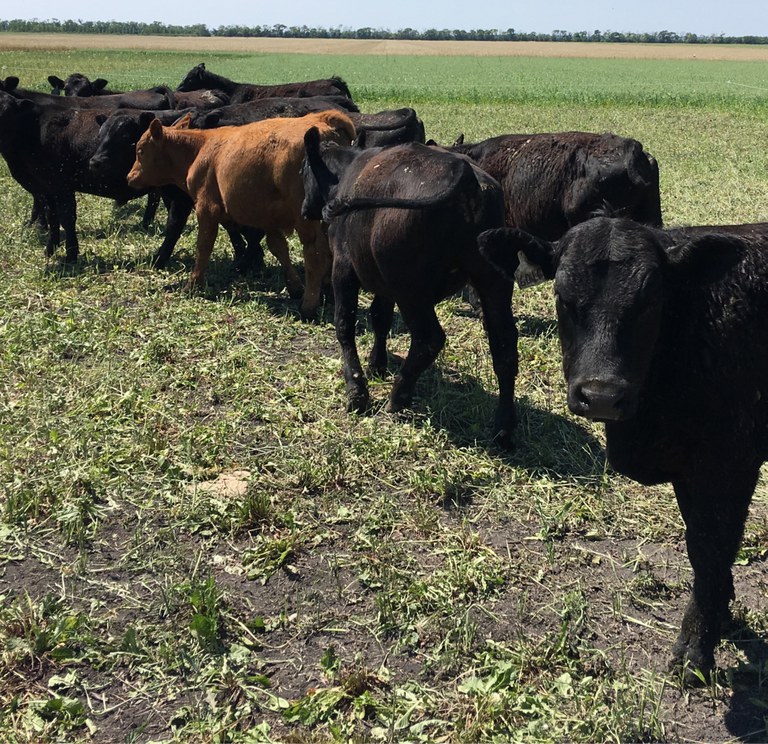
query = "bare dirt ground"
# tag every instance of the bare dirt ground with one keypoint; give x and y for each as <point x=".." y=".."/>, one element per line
<point x="732" y="52"/>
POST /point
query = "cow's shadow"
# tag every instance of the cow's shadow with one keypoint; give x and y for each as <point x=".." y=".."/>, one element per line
<point x="746" y="717"/>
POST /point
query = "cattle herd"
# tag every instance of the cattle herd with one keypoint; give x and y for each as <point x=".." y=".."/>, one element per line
<point x="657" y="326"/>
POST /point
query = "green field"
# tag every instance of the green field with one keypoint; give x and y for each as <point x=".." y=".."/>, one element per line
<point x="198" y="543"/>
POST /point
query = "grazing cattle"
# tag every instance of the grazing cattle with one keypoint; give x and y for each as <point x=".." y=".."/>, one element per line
<point x="157" y="98"/>
<point x="48" y="150"/>
<point x="116" y="152"/>
<point x="199" y="78"/>
<point x="248" y="175"/>
<point x="661" y="334"/>
<point x="554" y="181"/>
<point x="403" y="224"/>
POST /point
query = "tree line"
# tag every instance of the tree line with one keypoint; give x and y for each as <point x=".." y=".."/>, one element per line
<point x="311" y="32"/>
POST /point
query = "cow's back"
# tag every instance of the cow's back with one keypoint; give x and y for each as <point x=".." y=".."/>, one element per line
<point x="553" y="181"/>
<point x="255" y="169"/>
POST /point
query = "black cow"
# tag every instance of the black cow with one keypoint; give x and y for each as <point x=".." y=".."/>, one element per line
<point x="198" y="77"/>
<point x="384" y="128"/>
<point x="395" y="127"/>
<point x="80" y="86"/>
<point x="554" y="181"/>
<point x="661" y="334"/>
<point x="160" y="97"/>
<point x="236" y="114"/>
<point x="403" y="225"/>
<point x="48" y="150"/>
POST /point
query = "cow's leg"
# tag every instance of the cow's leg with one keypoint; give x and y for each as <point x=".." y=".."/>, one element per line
<point x="246" y="243"/>
<point x="714" y="507"/>
<point x="179" y="207"/>
<point x="278" y="246"/>
<point x="66" y="210"/>
<point x="346" y="288"/>
<point x="52" y="218"/>
<point x="38" y="218"/>
<point x="381" y="313"/>
<point x="495" y="294"/>
<point x="150" y="210"/>
<point x="317" y="264"/>
<point x="207" y="228"/>
<point x="427" y="339"/>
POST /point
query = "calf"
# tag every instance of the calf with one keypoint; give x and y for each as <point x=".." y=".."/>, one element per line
<point x="403" y="224"/>
<point x="116" y="152"/>
<point x="386" y="128"/>
<point x="48" y="149"/>
<point x="159" y="97"/>
<point x="80" y="86"/>
<point x="236" y="114"/>
<point x="661" y="333"/>
<point x="198" y="77"/>
<point x="248" y="175"/>
<point x="554" y="181"/>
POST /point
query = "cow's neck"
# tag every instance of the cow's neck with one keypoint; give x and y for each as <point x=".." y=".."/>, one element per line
<point x="182" y="147"/>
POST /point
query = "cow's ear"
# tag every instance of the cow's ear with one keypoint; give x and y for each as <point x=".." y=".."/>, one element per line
<point x="99" y="83"/>
<point x="459" y="140"/>
<point x="210" y="120"/>
<point x="55" y="81"/>
<point x="145" y="118"/>
<point x="156" y="129"/>
<point x="705" y="257"/>
<point x="312" y="141"/>
<point x="184" y="122"/>
<point x="500" y="247"/>
<point x="11" y="83"/>
<point x="360" y="139"/>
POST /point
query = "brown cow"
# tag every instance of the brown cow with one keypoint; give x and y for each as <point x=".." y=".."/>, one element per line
<point x="247" y="175"/>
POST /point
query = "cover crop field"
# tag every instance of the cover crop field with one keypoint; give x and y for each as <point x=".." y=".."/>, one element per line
<point x="198" y="543"/>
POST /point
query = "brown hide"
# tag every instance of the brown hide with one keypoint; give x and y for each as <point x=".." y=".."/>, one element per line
<point x="246" y="175"/>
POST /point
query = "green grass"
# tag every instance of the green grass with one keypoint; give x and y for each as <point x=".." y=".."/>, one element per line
<point x="372" y="578"/>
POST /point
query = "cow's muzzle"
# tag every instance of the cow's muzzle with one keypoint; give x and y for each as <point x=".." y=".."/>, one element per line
<point x="602" y="400"/>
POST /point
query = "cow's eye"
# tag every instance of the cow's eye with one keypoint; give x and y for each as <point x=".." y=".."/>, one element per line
<point x="565" y="306"/>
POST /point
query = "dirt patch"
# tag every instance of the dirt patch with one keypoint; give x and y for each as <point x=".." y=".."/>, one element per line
<point x="722" y="52"/>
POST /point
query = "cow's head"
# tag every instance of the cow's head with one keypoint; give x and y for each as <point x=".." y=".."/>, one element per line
<point x="612" y="277"/>
<point x="12" y="117"/>
<point x="193" y="80"/>
<point x="152" y="166"/>
<point x="324" y="164"/>
<point x="118" y="137"/>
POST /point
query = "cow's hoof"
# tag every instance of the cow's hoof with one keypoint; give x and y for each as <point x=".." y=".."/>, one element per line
<point x="690" y="666"/>
<point x="358" y="402"/>
<point x="398" y="404"/>
<point x="295" y="291"/>
<point x="377" y="370"/>
<point x="504" y="439"/>
<point x="159" y="262"/>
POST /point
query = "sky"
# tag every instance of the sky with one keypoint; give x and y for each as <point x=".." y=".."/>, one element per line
<point x="703" y="17"/>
